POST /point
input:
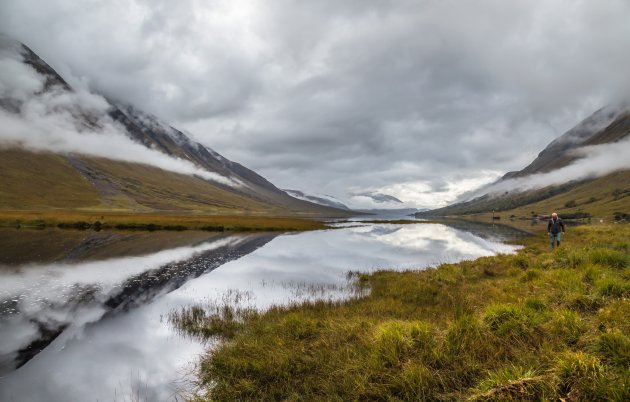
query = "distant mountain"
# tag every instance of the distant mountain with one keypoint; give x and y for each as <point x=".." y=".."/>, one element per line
<point x="379" y="198"/>
<point x="398" y="212"/>
<point x="607" y="125"/>
<point x="325" y="200"/>
<point x="116" y="184"/>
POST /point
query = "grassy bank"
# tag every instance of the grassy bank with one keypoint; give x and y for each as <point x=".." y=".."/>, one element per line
<point x="537" y="325"/>
<point x="153" y="221"/>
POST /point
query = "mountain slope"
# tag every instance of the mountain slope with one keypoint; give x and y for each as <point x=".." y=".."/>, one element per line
<point x="325" y="200"/>
<point x="607" y="125"/>
<point x="40" y="180"/>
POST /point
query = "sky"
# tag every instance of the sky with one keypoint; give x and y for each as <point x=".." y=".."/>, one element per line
<point x="419" y="100"/>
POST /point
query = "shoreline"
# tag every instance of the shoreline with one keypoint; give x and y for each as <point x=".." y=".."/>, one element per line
<point x="152" y="221"/>
<point x="534" y="325"/>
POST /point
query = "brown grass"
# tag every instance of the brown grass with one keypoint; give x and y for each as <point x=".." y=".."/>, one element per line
<point x="538" y="325"/>
<point x="154" y="221"/>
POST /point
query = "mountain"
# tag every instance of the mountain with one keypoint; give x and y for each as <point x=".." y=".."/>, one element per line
<point x="579" y="197"/>
<point x="41" y="179"/>
<point x="325" y="200"/>
<point x="609" y="124"/>
<point x="379" y="198"/>
<point x="396" y="213"/>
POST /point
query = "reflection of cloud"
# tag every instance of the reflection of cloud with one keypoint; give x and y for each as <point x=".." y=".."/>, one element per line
<point x="55" y="295"/>
<point x="57" y="277"/>
<point x="440" y="240"/>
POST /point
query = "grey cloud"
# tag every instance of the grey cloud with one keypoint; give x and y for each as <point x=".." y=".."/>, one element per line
<point x="344" y="97"/>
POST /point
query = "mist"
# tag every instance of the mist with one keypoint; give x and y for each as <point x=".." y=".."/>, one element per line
<point x="54" y="119"/>
<point x="595" y="161"/>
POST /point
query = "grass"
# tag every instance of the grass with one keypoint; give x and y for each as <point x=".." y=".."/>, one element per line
<point x="153" y="221"/>
<point x="605" y="198"/>
<point x="42" y="189"/>
<point x="43" y="181"/>
<point x="538" y="325"/>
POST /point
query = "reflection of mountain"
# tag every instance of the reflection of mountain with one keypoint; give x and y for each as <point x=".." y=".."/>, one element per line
<point x="144" y="287"/>
<point x="22" y="246"/>
<point x="326" y="200"/>
<point x="486" y="230"/>
<point x="48" y="319"/>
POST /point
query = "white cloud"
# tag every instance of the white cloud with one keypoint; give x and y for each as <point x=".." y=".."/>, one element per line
<point x="419" y="194"/>
<point x="595" y="161"/>
<point x="55" y="120"/>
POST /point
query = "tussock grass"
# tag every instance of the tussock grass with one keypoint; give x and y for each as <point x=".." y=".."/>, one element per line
<point x="538" y="325"/>
<point x="149" y="221"/>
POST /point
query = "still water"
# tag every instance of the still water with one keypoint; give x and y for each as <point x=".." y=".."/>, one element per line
<point x="83" y="315"/>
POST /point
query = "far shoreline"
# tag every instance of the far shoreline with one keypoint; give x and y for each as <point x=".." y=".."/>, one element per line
<point x="153" y="221"/>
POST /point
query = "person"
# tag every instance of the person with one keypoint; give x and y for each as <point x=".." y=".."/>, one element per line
<point x="554" y="227"/>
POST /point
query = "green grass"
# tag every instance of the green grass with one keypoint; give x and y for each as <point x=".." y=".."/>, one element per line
<point x="537" y="325"/>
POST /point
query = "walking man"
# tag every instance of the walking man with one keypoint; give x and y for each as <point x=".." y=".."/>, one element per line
<point x="554" y="227"/>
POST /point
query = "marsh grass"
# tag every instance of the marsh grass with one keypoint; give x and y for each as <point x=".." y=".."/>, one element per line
<point x="214" y="319"/>
<point x="152" y="221"/>
<point x="537" y="325"/>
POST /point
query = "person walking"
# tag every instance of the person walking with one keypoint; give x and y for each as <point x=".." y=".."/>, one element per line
<point x="554" y="227"/>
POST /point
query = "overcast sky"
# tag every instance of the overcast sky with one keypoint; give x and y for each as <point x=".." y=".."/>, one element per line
<point x="420" y="100"/>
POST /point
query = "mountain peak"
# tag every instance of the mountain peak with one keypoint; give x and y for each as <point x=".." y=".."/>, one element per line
<point x="603" y="126"/>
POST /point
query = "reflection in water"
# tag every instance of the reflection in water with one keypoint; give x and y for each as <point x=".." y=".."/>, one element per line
<point x="492" y="230"/>
<point x="94" y="330"/>
<point x="38" y="302"/>
<point x="24" y="246"/>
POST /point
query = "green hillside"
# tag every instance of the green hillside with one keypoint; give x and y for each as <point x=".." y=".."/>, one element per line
<point x="42" y="189"/>
<point x="46" y="181"/>
<point x="603" y="197"/>
<point x="41" y="181"/>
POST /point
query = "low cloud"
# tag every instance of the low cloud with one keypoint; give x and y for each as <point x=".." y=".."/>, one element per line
<point x="375" y="199"/>
<point x="595" y="161"/>
<point x="438" y="193"/>
<point x="57" y="120"/>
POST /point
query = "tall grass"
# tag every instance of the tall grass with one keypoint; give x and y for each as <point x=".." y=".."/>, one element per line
<point x="540" y="325"/>
<point x="151" y="221"/>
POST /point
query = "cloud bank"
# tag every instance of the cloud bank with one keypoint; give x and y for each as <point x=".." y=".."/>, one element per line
<point x="595" y="161"/>
<point x="59" y="121"/>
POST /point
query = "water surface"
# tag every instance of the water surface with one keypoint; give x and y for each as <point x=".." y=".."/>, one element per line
<point x="86" y="320"/>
